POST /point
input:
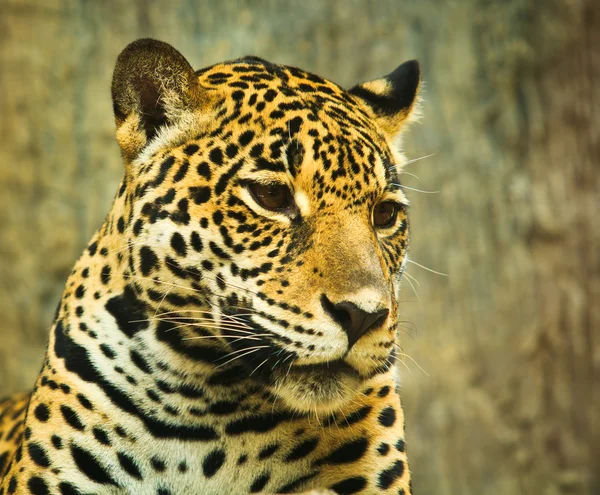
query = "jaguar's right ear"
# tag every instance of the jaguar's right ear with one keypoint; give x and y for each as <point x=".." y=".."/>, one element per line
<point x="153" y="86"/>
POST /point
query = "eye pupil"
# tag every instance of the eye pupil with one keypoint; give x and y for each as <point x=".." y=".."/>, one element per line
<point x="271" y="196"/>
<point x="384" y="214"/>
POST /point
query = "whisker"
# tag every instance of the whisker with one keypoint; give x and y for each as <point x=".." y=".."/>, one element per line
<point x="256" y="369"/>
<point x="408" y="162"/>
<point x="252" y="350"/>
<point x="237" y="337"/>
<point x="409" y="173"/>
<point x="414" y="188"/>
<point x="412" y="277"/>
<point x="411" y="358"/>
<point x="426" y="268"/>
<point x="413" y="287"/>
<point x="398" y="360"/>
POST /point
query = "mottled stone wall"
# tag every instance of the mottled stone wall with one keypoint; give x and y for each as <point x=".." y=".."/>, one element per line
<point x="508" y="401"/>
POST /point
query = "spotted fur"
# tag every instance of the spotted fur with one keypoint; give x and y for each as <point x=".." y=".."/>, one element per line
<point x="206" y="343"/>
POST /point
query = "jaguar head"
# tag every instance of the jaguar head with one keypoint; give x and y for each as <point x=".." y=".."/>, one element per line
<point x="264" y="216"/>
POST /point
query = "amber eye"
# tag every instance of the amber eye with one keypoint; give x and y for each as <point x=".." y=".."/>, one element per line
<point x="274" y="197"/>
<point x="385" y="214"/>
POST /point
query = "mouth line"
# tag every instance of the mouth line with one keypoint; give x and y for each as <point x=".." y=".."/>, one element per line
<point x="338" y="366"/>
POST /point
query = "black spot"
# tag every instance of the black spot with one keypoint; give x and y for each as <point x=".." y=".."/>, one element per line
<point x="350" y="485"/>
<point x="196" y="241"/>
<point x="356" y="416"/>
<point x="383" y="448"/>
<point x="200" y="194"/>
<point x="388" y="476"/>
<point x="384" y="391"/>
<point x="203" y="170"/>
<point x="183" y="467"/>
<point x="259" y="483"/>
<point x="226" y="177"/>
<point x="257" y="150"/>
<point x="119" y="430"/>
<point x="72" y="418"/>
<point x="218" y="217"/>
<point x="92" y="248"/>
<point x="190" y="149"/>
<point x="270" y="95"/>
<point x="178" y="244"/>
<point x="158" y="464"/>
<point x="105" y="274"/>
<point x="213" y="462"/>
<point x="231" y="151"/>
<point x="347" y="452"/>
<point x="12" y="486"/>
<point x="56" y="441"/>
<point x="181" y="215"/>
<point x="3" y="460"/>
<point x="38" y="454"/>
<point x="221" y="408"/>
<point x="400" y="445"/>
<point x="89" y="465"/>
<point x="107" y="351"/>
<point x="218" y="251"/>
<point x="140" y="361"/>
<point x="303" y="449"/>
<point x="84" y="401"/>
<point x="148" y="260"/>
<point x="80" y="292"/>
<point x="256" y="424"/>
<point x="246" y="137"/>
<point x="68" y="489"/>
<point x="129" y="312"/>
<point x="387" y="417"/>
<point x="216" y="156"/>
<point x="137" y="226"/>
<point x="268" y="451"/>
<point x="101" y="436"/>
<point x="37" y="486"/>
<point x="129" y="465"/>
<point x="183" y="168"/>
<point x="294" y="486"/>
<point x="42" y="412"/>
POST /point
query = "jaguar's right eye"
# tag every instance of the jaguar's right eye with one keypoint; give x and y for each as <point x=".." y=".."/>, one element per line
<point x="272" y="197"/>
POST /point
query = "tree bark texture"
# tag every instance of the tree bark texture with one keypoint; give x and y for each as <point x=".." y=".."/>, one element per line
<point x="501" y="377"/>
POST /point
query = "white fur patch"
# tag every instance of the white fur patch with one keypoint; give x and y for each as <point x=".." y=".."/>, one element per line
<point x="303" y="203"/>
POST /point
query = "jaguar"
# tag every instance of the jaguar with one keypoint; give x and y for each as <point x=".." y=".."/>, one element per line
<point x="232" y="327"/>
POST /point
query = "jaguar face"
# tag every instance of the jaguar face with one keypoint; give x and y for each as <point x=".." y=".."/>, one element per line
<point x="266" y="223"/>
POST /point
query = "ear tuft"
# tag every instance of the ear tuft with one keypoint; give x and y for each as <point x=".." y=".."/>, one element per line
<point x="392" y="98"/>
<point x="153" y="84"/>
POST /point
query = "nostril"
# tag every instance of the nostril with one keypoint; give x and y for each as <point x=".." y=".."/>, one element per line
<point x="354" y="321"/>
<point x="340" y="314"/>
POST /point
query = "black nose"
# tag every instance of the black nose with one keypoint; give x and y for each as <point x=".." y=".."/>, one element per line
<point x="355" y="321"/>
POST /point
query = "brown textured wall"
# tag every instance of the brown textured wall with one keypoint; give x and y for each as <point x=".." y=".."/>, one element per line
<point x="510" y="341"/>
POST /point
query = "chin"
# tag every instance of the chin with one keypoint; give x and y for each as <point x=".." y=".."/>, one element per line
<point x="321" y="389"/>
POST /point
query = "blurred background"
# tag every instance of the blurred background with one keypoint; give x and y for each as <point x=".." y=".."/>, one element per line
<point x="501" y="382"/>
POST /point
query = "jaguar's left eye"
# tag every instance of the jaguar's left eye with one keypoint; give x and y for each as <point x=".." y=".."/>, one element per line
<point x="385" y="214"/>
<point x="273" y="197"/>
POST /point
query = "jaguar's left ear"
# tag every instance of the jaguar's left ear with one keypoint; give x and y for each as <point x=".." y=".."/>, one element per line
<point x="393" y="97"/>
